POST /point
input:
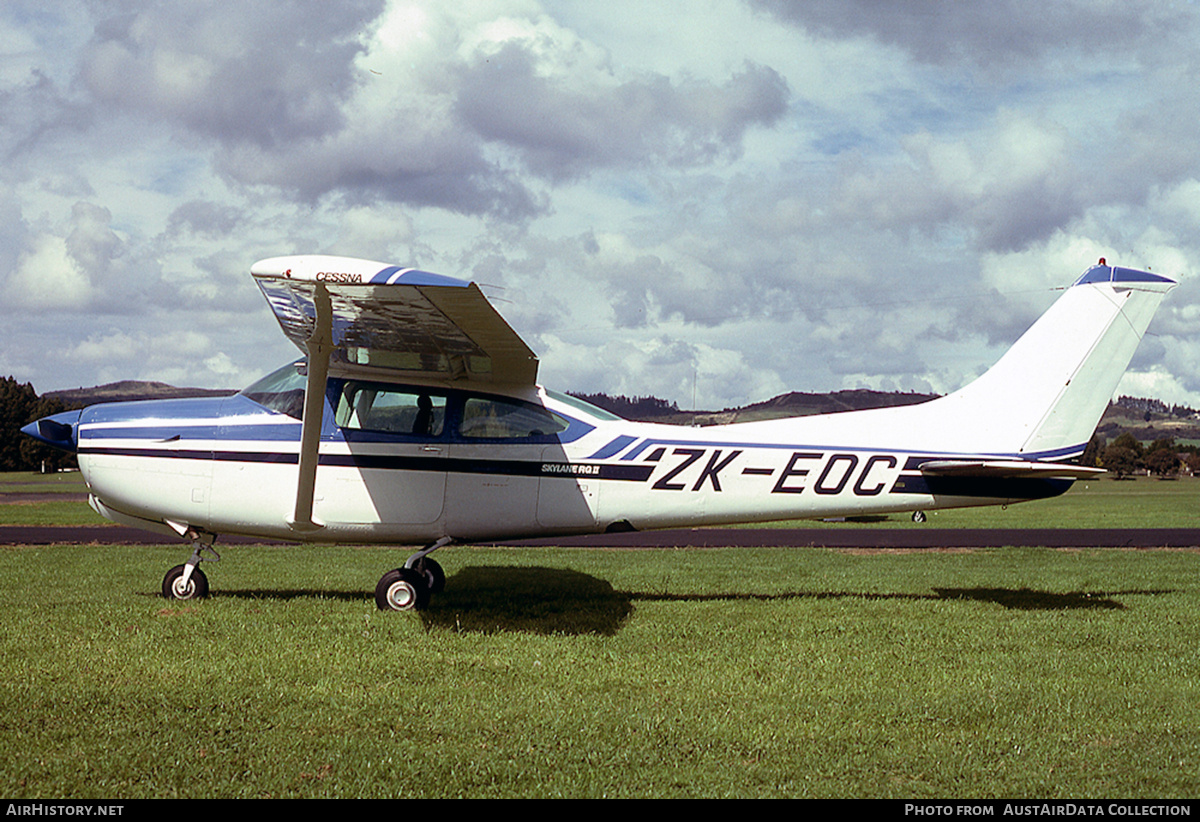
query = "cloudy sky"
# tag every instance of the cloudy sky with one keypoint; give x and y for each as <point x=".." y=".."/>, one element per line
<point x="711" y="202"/>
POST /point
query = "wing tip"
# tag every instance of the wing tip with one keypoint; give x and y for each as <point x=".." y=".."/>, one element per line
<point x="348" y="271"/>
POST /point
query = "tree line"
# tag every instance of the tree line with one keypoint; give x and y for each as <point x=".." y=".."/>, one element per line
<point x="1126" y="455"/>
<point x="631" y="408"/>
<point x="1145" y="405"/>
<point x="19" y="406"/>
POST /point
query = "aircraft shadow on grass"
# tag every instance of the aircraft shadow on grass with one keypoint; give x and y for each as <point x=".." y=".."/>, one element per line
<point x="495" y="599"/>
<point x="1020" y="599"/>
<point x="1027" y="599"/>
<point x="489" y="599"/>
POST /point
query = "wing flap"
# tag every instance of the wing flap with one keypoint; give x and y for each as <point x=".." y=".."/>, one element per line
<point x="397" y="319"/>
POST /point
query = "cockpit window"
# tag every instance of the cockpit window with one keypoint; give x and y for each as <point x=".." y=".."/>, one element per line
<point x="281" y="390"/>
<point x="372" y="407"/>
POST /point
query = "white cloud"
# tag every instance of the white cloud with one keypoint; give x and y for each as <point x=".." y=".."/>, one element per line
<point x="744" y="198"/>
<point x="48" y="277"/>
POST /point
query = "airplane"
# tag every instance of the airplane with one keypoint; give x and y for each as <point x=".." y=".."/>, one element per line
<point x="414" y="417"/>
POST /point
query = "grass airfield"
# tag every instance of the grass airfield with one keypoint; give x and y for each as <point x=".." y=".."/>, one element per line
<point x="775" y="672"/>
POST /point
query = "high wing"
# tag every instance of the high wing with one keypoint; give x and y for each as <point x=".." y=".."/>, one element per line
<point x="380" y="316"/>
<point x="399" y="319"/>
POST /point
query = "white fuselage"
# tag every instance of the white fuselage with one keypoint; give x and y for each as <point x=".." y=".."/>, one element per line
<point x="229" y="466"/>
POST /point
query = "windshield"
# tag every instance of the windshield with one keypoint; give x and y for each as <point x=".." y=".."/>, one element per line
<point x="281" y="390"/>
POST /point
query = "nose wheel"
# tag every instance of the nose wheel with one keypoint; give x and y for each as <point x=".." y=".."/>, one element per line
<point x="176" y="586"/>
<point x="185" y="582"/>
<point x="409" y="588"/>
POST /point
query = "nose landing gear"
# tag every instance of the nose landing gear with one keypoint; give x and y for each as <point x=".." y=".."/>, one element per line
<point x="184" y="582"/>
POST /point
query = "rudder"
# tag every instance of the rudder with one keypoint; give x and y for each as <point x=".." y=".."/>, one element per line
<point x="1045" y="396"/>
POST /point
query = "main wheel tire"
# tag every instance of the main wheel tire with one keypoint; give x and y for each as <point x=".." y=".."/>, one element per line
<point x="401" y="590"/>
<point x="435" y="577"/>
<point x="173" y="587"/>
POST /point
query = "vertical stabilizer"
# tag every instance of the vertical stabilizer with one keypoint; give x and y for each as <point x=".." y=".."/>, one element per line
<point x="1045" y="396"/>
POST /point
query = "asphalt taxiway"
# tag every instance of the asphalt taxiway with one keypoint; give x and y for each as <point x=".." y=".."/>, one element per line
<point x="848" y="536"/>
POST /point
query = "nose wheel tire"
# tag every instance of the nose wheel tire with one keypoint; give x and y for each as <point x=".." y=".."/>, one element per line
<point x="173" y="586"/>
<point x="403" y="589"/>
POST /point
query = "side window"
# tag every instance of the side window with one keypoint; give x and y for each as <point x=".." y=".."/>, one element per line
<point x="490" y="418"/>
<point x="372" y="407"/>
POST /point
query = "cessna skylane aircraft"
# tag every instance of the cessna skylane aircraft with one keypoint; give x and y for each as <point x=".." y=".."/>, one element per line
<point x="415" y="417"/>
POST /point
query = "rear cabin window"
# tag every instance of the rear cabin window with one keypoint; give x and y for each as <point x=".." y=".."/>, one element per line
<point x="491" y="418"/>
<point x="409" y="411"/>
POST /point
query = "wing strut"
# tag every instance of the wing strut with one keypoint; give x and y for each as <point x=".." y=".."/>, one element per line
<point x="320" y="347"/>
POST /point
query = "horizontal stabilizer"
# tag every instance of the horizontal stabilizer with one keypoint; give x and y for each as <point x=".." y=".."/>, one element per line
<point x="1007" y="469"/>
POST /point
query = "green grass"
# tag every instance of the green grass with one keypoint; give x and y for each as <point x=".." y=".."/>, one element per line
<point x="61" y="512"/>
<point x="542" y="673"/>
<point x="671" y="673"/>
<point x="32" y="481"/>
<point x="1102" y="503"/>
<point x="50" y="513"/>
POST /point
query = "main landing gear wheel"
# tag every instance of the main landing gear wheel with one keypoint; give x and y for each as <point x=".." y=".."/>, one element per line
<point x="409" y="588"/>
<point x="173" y="586"/>
<point x="435" y="577"/>
<point x="402" y="590"/>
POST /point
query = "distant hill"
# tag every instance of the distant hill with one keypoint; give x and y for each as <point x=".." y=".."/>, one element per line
<point x="1150" y="420"/>
<point x="793" y="404"/>
<point x="797" y="404"/>
<point x="1146" y="419"/>
<point x="127" y="390"/>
